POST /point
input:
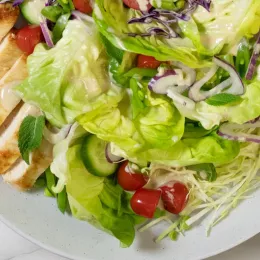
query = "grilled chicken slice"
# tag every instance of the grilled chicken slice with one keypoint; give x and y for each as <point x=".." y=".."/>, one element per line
<point x="18" y="72"/>
<point x="9" y="151"/>
<point x="8" y="17"/>
<point x="9" y="52"/>
<point x="8" y="99"/>
<point x="23" y="176"/>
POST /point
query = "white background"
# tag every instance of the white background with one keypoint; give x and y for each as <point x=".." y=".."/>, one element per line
<point x="14" y="247"/>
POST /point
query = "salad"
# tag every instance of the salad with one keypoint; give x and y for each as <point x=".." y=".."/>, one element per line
<point x="133" y="112"/>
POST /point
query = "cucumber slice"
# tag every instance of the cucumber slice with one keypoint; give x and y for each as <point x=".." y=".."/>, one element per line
<point x="31" y="10"/>
<point x="94" y="158"/>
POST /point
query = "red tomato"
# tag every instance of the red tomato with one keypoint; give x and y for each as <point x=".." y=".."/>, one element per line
<point x="128" y="180"/>
<point x="83" y="6"/>
<point x="174" y="197"/>
<point x="28" y="37"/>
<point x="145" y="201"/>
<point x="134" y="4"/>
<point x="147" y="62"/>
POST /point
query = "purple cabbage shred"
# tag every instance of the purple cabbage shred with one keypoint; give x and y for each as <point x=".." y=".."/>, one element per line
<point x="166" y="19"/>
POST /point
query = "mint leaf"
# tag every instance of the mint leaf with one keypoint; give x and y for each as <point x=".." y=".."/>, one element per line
<point x="30" y="135"/>
<point x="223" y="99"/>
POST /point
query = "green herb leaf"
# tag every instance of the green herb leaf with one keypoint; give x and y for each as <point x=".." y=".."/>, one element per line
<point x="205" y="171"/>
<point x="30" y="135"/>
<point x="223" y="99"/>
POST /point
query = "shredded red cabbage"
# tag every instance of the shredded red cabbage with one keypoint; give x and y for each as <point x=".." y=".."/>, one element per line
<point x="205" y="3"/>
<point x="253" y="61"/>
<point x="166" y="18"/>
<point x="17" y="2"/>
<point x="50" y="2"/>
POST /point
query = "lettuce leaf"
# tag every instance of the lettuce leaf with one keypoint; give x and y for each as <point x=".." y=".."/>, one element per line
<point x="59" y="165"/>
<point x="206" y="33"/>
<point x="64" y="80"/>
<point x="141" y="121"/>
<point x="189" y="151"/>
<point x="111" y="17"/>
<point x="224" y="26"/>
<point x="99" y="201"/>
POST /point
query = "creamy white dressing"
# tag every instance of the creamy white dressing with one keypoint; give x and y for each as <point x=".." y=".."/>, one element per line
<point x="188" y="109"/>
<point x="120" y="43"/>
<point x="257" y="48"/>
<point x="8" y="98"/>
<point x="98" y="13"/>
<point x="143" y="4"/>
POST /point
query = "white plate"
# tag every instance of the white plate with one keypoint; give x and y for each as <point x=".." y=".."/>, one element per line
<point x="37" y="218"/>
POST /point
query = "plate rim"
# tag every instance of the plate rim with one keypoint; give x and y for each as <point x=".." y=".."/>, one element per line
<point x="59" y="252"/>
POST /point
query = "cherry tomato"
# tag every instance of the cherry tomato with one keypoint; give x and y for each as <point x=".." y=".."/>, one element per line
<point x="174" y="197"/>
<point x="130" y="180"/>
<point x="147" y="62"/>
<point x="83" y="6"/>
<point x="28" y="37"/>
<point x="134" y="4"/>
<point x="145" y="201"/>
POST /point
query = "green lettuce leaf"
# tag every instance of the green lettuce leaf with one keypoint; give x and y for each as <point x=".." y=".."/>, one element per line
<point x="189" y="151"/>
<point x="99" y="200"/>
<point x="141" y="121"/>
<point x="64" y="80"/>
<point x="111" y="17"/>
<point x="224" y="26"/>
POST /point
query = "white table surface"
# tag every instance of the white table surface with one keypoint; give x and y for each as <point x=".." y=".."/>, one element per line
<point x="15" y="247"/>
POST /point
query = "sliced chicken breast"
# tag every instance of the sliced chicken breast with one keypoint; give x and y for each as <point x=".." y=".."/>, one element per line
<point x="8" y="17"/>
<point x="8" y="98"/>
<point x="18" y="72"/>
<point x="23" y="176"/>
<point x="9" y="151"/>
<point x="9" y="52"/>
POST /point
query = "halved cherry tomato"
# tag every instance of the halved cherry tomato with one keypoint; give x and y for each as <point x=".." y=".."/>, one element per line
<point x="130" y="180"/>
<point x="144" y="202"/>
<point x="83" y="6"/>
<point x="174" y="197"/>
<point x="147" y="62"/>
<point x="28" y="37"/>
<point x="134" y="5"/>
